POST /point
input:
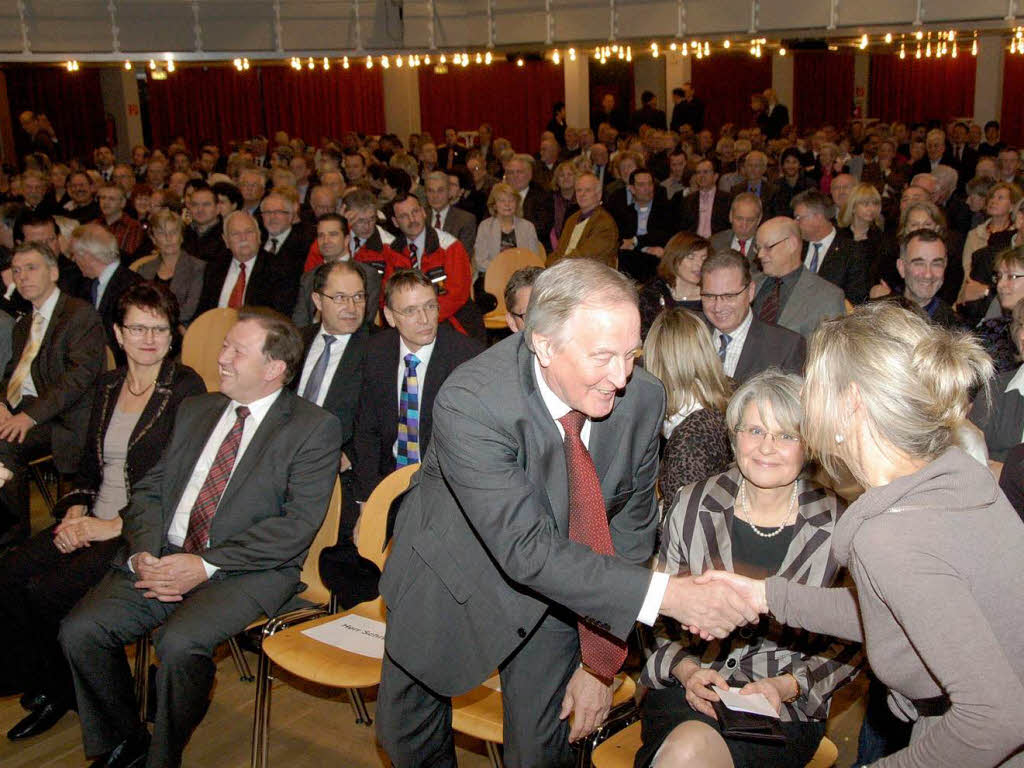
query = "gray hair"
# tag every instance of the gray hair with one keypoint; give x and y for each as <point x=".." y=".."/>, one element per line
<point x="522" y="157"/>
<point x="97" y="242"/>
<point x="772" y="392"/>
<point x="242" y="214"/>
<point x="571" y="283"/>
<point x="37" y="247"/>
<point x="436" y="176"/>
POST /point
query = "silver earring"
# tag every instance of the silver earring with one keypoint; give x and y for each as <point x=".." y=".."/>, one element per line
<point x="839" y="438"/>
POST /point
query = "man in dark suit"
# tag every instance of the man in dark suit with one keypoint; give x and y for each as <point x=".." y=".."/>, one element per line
<point x="937" y="152"/>
<point x="247" y="274"/>
<point x="964" y="156"/>
<point x="538" y="204"/>
<point x="451" y="154"/>
<point x="443" y="216"/>
<point x="523" y="542"/>
<point x="746" y="345"/>
<point x="56" y="356"/>
<point x="649" y="114"/>
<point x="215" y="537"/>
<point x="204" y="236"/>
<point x="287" y="238"/>
<point x="96" y="253"/>
<point x="417" y="353"/>
<point x="744" y="218"/>
<point x="755" y="166"/>
<point x="827" y="254"/>
<point x="777" y="114"/>
<point x="705" y="210"/>
<point x="645" y="223"/>
<point x="688" y="109"/>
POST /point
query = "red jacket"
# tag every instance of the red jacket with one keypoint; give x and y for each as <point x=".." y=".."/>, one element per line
<point x="369" y="251"/>
<point x="444" y="261"/>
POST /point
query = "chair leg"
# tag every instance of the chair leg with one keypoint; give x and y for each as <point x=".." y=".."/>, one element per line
<point x="241" y="663"/>
<point x="494" y="755"/>
<point x="261" y="713"/>
<point x="355" y="698"/>
<point x="142" y="674"/>
<point x="44" y="487"/>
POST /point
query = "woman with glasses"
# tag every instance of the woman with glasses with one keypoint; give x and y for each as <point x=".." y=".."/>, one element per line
<point x="40" y="581"/>
<point x="993" y="331"/>
<point x="1000" y="414"/>
<point x="173" y="266"/>
<point x="677" y="283"/>
<point x="762" y="517"/>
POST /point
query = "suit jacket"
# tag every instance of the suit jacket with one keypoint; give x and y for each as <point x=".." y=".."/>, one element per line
<point x="376" y="424"/>
<point x="769" y="345"/>
<point x="186" y="283"/>
<point x="70" y="359"/>
<point x="481" y="547"/>
<point x="122" y="279"/>
<point x="778" y="118"/>
<point x="689" y="212"/>
<point x="271" y="283"/>
<point x="343" y="390"/>
<point x="600" y="239"/>
<point x="305" y="310"/>
<point x="999" y="415"/>
<point x="209" y="245"/>
<point x="843" y="265"/>
<point x="661" y="223"/>
<point x="768" y="190"/>
<point x="272" y="506"/>
<point x="539" y="210"/>
<point x="293" y="250"/>
<point x="722" y="241"/>
<point x="6" y="340"/>
<point x="461" y="224"/>
<point x="812" y="300"/>
<point x="442" y="156"/>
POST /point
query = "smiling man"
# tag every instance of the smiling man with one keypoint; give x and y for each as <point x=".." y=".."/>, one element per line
<point x="922" y="265"/>
<point x="523" y="542"/>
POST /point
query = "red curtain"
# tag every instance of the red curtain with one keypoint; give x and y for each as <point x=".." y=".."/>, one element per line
<point x="516" y="101"/>
<point x="72" y="101"/>
<point x="1012" y="115"/>
<point x="314" y="103"/>
<point x="214" y="103"/>
<point x="822" y="88"/>
<point x="725" y="83"/>
<point x="918" y="90"/>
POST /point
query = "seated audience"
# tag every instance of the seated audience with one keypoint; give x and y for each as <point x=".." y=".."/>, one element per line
<point x="744" y="217"/>
<point x="538" y="203"/>
<point x="405" y="368"/>
<point x="753" y="178"/>
<point x="678" y="351"/>
<point x="995" y="234"/>
<point x="827" y="254"/>
<point x="131" y="237"/>
<point x="745" y="344"/>
<point x="563" y="188"/>
<point x="999" y="412"/>
<point x="763" y="516"/>
<point x="993" y="331"/>
<point x="677" y="283"/>
<point x="505" y="228"/>
<point x="367" y="238"/>
<point x="790" y="183"/>
<point x="591" y="232"/>
<point x="860" y="222"/>
<point x="645" y="222"/>
<point x="174" y="266"/>
<point x="204" y="236"/>
<point x="56" y="355"/>
<point x="705" y="210"/>
<point x="207" y="550"/>
<point x="445" y="217"/>
<point x="922" y="267"/>
<point x="518" y="290"/>
<point x="41" y="580"/>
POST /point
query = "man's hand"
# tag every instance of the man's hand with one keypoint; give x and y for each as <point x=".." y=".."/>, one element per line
<point x="588" y="700"/>
<point x="753" y="591"/>
<point x="14" y="429"/>
<point x="654" y="250"/>
<point x="171" y="577"/>
<point x="710" y="608"/>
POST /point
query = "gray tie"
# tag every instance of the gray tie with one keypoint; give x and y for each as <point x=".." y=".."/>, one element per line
<point x="814" y="258"/>
<point x="723" y="344"/>
<point x="316" y="377"/>
<point x="272" y="245"/>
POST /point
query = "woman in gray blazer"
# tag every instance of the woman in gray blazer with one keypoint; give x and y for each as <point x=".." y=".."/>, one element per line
<point x="177" y="269"/>
<point x="505" y="228"/>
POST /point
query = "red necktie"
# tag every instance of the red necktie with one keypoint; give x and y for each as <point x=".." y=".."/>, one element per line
<point x="743" y="247"/>
<point x="770" y="309"/>
<point x="437" y="221"/>
<point x="237" y="297"/>
<point x="213" y="487"/>
<point x="588" y="524"/>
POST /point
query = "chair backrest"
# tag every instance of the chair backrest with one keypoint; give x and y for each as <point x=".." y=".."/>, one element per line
<point x="137" y="264"/>
<point x="315" y="591"/>
<point x="203" y="340"/>
<point x="502" y="268"/>
<point x="111" y="361"/>
<point x="373" y="521"/>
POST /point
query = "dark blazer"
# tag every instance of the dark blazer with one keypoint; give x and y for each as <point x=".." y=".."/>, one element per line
<point x="208" y="246"/>
<point x="272" y="506"/>
<point x="661" y="224"/>
<point x="174" y="383"/>
<point x="481" y="548"/>
<point x="442" y="156"/>
<point x="460" y="224"/>
<point x="305" y="309"/>
<point x="843" y="265"/>
<point x="539" y="210"/>
<point x="270" y="284"/>
<point x="292" y="252"/>
<point x="770" y="345"/>
<point x="122" y="279"/>
<point x="70" y="359"/>
<point x="1000" y="415"/>
<point x="689" y="212"/>
<point x="376" y="424"/>
<point x="768" y="191"/>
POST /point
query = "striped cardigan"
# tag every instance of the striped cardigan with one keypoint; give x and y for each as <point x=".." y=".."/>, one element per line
<point x="697" y="536"/>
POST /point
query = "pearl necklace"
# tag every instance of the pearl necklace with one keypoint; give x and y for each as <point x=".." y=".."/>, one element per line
<point x="746" y="512"/>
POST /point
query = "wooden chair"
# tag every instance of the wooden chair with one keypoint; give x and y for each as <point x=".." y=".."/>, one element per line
<point x="137" y="264"/>
<point x="479" y="714"/>
<point x="302" y="656"/>
<point x="618" y="750"/>
<point x="203" y="339"/>
<point x="497" y="275"/>
<point x="111" y="361"/>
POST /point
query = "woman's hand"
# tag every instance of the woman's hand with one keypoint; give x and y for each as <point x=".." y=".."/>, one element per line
<point x="75" y="511"/>
<point x="698" y="695"/>
<point x="78" y="532"/>
<point x="972" y="291"/>
<point x="770" y="688"/>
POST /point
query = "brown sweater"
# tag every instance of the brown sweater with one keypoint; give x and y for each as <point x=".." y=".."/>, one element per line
<point x="937" y="558"/>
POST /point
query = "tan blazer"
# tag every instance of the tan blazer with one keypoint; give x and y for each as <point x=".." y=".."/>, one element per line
<point x="600" y="240"/>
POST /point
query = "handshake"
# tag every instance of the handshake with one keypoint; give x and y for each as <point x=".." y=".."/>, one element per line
<point x="715" y="603"/>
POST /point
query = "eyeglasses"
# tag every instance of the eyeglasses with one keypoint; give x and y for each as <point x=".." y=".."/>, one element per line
<point x="275" y="212"/>
<point x="138" y="331"/>
<point x="345" y="298"/>
<point x="1011" y="276"/>
<point x="772" y="245"/>
<point x="711" y="298"/>
<point x="761" y="435"/>
<point x="430" y="308"/>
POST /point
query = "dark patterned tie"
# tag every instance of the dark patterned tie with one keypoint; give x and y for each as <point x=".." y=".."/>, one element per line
<point x="588" y="524"/>
<point x="412" y="255"/>
<point x="723" y="345"/>
<point x="213" y="487"/>
<point x="770" y="309"/>
<point x="814" y="258"/>
<point x="409" y="414"/>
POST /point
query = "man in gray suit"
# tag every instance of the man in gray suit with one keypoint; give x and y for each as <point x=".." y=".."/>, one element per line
<point x="547" y="433"/>
<point x="788" y="294"/>
<point x="215" y="537"/>
<point x="744" y="216"/>
<point x="443" y="216"/>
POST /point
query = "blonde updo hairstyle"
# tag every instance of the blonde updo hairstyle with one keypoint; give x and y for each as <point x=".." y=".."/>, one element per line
<point x="914" y="380"/>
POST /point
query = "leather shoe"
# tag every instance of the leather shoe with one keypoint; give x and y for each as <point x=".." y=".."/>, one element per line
<point x="38" y="721"/>
<point x="31" y="701"/>
<point x="130" y="753"/>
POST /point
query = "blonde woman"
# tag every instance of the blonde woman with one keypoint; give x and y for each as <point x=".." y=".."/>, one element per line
<point x="933" y="546"/>
<point x="995" y="234"/>
<point x="174" y="267"/>
<point x="679" y="351"/>
<point x="505" y="228"/>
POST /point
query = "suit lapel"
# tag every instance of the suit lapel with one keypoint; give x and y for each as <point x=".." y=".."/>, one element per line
<point x="547" y="445"/>
<point x="751" y="346"/>
<point x="605" y="437"/>
<point x="343" y="373"/>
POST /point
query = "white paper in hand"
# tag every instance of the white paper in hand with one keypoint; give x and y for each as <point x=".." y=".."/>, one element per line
<point x="754" y="703"/>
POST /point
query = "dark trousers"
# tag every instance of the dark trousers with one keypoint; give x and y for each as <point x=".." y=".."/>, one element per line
<point x="38" y="586"/>
<point x="882" y="733"/>
<point x="414" y="723"/>
<point x="14" y="496"/>
<point x="114" y="614"/>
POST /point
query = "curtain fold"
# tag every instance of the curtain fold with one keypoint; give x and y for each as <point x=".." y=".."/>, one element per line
<point x="725" y="83"/>
<point x="1012" y="115"/>
<point x="918" y="90"/>
<point x="516" y="101"/>
<point x="822" y="88"/>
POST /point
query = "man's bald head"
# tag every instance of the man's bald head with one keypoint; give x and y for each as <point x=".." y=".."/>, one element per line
<point x="779" y="246"/>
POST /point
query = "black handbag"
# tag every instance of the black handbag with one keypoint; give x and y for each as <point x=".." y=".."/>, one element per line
<point x="744" y="725"/>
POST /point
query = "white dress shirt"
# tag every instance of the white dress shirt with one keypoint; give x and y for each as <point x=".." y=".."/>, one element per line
<point x="735" y="349"/>
<point x="232" y="277"/>
<point x="28" y="387"/>
<point x="826" y="243"/>
<point x="423" y="353"/>
<point x="257" y="412"/>
<point x="337" y="350"/>
<point x="659" y="581"/>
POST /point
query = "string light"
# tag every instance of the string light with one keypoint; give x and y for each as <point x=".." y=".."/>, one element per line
<point x="726" y="44"/>
<point x="519" y="62"/>
<point x="426" y="59"/>
<point x="170" y="63"/>
<point x="903" y="50"/>
<point x="888" y="37"/>
<point x="127" y="65"/>
<point x="369" y="62"/>
<point x="629" y="53"/>
<point x="479" y="58"/>
<point x="654" y="50"/>
<point x="384" y="62"/>
<point x="556" y="58"/>
<point x="344" y="63"/>
<point x="974" y="45"/>
<point x="919" y="35"/>
<point x="152" y="64"/>
<point x="863" y="42"/>
<point x="572" y="54"/>
<point x="707" y="48"/>
<point x="918" y="54"/>
<point x="782" y="51"/>
<point x="327" y="64"/>
<point x="310" y="63"/>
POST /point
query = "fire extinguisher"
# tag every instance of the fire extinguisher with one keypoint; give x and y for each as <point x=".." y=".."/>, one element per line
<point x="110" y="131"/>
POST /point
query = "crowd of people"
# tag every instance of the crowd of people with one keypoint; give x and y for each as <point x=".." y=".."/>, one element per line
<point x="777" y="363"/>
